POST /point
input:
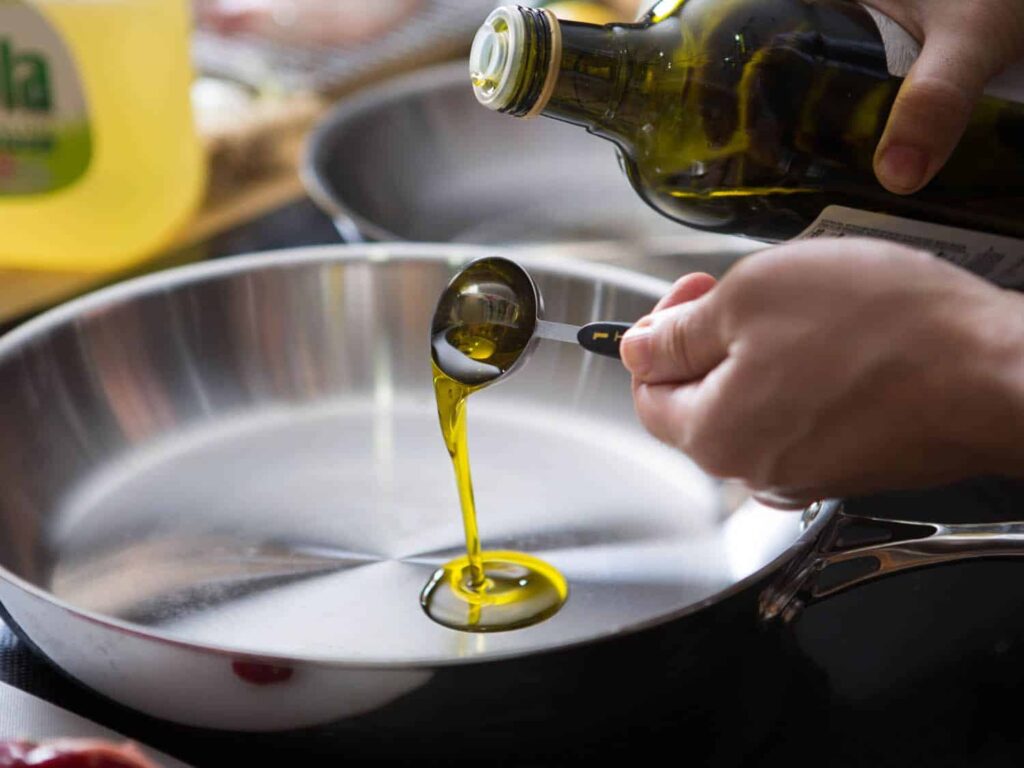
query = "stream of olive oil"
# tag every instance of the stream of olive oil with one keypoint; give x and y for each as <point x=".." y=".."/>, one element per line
<point x="483" y="591"/>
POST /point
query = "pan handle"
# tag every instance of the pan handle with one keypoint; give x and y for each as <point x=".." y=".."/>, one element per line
<point x="347" y="229"/>
<point x="852" y="550"/>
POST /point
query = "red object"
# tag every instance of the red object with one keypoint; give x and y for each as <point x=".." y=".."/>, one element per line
<point x="257" y="673"/>
<point x="72" y="753"/>
<point x="305" y="23"/>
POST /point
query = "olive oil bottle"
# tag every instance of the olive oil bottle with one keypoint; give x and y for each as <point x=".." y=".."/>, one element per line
<point x="760" y="118"/>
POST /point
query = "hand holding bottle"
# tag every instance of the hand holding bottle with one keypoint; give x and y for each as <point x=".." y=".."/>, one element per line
<point x="834" y="367"/>
<point x="766" y="117"/>
<point x="965" y="44"/>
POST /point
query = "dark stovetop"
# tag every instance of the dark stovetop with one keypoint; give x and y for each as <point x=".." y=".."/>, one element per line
<point x="919" y="668"/>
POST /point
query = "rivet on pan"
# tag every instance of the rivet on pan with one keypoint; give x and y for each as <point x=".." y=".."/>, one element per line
<point x="810" y="514"/>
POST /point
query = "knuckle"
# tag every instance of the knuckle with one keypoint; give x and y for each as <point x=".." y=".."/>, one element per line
<point x="997" y="25"/>
<point x="765" y="475"/>
<point x="748" y="269"/>
<point x="687" y="441"/>
<point x="933" y="98"/>
<point x="783" y="467"/>
<point x="654" y="418"/>
<point x="717" y="465"/>
<point x="711" y="448"/>
<point x="650" y="417"/>
<point x="676" y="347"/>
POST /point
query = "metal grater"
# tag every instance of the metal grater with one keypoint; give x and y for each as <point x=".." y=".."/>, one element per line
<point x="436" y="30"/>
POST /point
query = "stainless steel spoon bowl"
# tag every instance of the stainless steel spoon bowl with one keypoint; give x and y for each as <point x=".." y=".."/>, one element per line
<point x="488" y="321"/>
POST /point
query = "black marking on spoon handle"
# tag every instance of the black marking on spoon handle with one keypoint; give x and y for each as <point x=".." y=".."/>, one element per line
<point x="602" y="338"/>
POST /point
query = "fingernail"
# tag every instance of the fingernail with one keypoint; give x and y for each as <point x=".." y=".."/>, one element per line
<point x="902" y="169"/>
<point x="635" y="349"/>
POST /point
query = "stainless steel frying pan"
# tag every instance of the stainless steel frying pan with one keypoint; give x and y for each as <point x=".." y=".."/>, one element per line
<point x="223" y="488"/>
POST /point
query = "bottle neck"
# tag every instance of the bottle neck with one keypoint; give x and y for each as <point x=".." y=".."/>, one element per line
<point x="588" y="81"/>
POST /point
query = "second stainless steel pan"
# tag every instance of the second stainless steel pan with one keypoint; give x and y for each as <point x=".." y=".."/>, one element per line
<point x="416" y="158"/>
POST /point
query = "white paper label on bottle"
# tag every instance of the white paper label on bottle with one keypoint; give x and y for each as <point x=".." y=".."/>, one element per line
<point x="996" y="258"/>
<point x="902" y="50"/>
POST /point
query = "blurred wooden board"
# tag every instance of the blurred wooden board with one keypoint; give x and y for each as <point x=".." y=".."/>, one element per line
<point x="23" y="291"/>
<point x="232" y="202"/>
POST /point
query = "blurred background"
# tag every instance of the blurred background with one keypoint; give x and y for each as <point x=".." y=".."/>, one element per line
<point x="265" y="75"/>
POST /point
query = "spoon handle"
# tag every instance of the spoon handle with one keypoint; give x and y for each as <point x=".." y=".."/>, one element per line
<point x="602" y="338"/>
<point x="547" y="329"/>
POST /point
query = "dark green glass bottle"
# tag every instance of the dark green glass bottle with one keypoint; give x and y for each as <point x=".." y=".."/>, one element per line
<point x="746" y="116"/>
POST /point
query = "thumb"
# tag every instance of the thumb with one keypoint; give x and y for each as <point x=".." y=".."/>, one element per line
<point x="932" y="109"/>
<point x="678" y="344"/>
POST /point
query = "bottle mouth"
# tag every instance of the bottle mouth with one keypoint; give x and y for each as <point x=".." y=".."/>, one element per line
<point x="505" y="77"/>
<point x="495" y="56"/>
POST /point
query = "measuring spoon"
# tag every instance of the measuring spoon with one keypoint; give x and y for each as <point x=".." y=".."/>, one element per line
<point x="487" y="323"/>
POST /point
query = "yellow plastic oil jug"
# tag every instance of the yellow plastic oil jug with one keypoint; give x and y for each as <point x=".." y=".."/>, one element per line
<point x="100" y="163"/>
